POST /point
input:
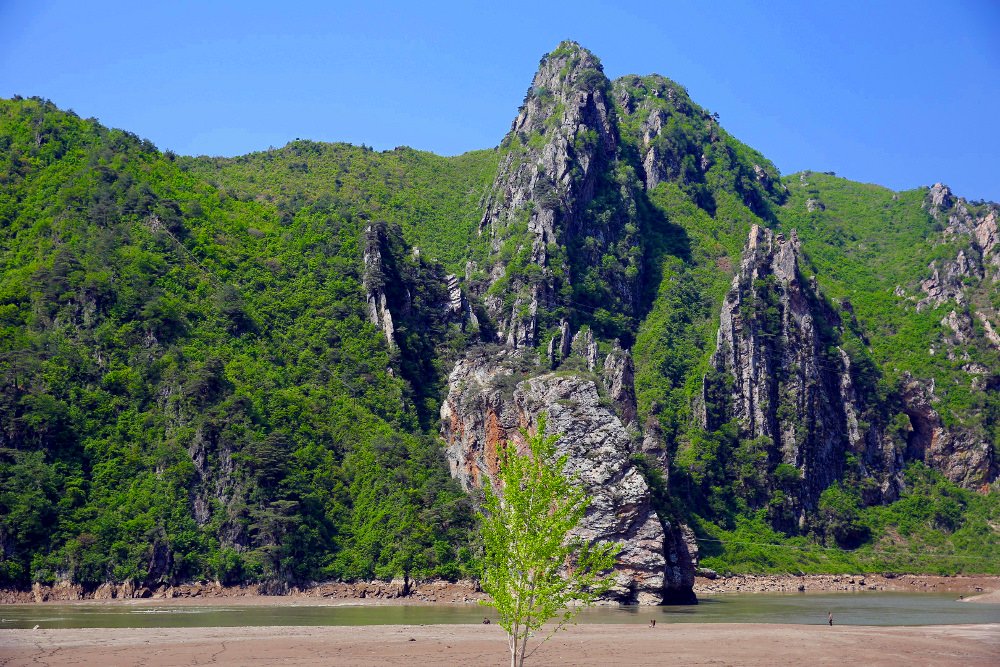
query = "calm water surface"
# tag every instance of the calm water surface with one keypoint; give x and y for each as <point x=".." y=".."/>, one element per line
<point x="806" y="609"/>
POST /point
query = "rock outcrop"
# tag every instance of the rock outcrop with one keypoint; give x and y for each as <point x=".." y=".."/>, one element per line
<point x="679" y="142"/>
<point x="978" y="262"/>
<point x="490" y="401"/>
<point x="961" y="455"/>
<point x="773" y="338"/>
<point x="374" y="282"/>
<point x="564" y="139"/>
<point x="794" y="385"/>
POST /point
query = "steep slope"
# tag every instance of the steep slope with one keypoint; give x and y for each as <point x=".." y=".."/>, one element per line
<point x="562" y="220"/>
<point x="766" y="398"/>
<point x="558" y="211"/>
<point x="263" y="368"/>
<point x="915" y="273"/>
<point x="582" y="247"/>
<point x="191" y="385"/>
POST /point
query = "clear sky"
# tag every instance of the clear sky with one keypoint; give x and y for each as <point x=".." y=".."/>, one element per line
<point x="902" y="93"/>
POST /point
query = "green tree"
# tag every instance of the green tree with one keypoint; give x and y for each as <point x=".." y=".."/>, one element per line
<point x="534" y="569"/>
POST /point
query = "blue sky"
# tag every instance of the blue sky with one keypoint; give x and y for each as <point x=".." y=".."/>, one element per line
<point x="897" y="93"/>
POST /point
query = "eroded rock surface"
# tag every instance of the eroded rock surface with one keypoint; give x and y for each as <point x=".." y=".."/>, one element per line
<point x="961" y="455"/>
<point x="794" y="385"/>
<point x="489" y="404"/>
<point x="773" y="335"/>
<point x="563" y="139"/>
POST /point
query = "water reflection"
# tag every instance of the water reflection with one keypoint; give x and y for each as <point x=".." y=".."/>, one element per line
<point x="810" y="609"/>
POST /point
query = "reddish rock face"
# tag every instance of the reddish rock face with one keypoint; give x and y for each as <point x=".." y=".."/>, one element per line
<point x="483" y="412"/>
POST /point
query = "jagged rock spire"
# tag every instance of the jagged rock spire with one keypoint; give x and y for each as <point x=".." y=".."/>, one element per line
<point x="563" y="141"/>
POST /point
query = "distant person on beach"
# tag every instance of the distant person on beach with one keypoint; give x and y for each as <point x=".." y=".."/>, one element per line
<point x="830" y="618"/>
<point x="652" y="622"/>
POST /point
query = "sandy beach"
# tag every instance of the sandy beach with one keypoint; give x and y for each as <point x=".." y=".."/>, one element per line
<point x="666" y="644"/>
<point x="591" y="644"/>
<point x="992" y="597"/>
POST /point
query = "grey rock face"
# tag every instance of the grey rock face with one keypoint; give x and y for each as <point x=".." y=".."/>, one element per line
<point x="374" y="281"/>
<point x="770" y="342"/>
<point x="940" y="196"/>
<point x="987" y="237"/>
<point x="483" y="411"/>
<point x="948" y="283"/>
<point x="788" y="389"/>
<point x="619" y="378"/>
<point x="962" y="456"/>
<point x="979" y="261"/>
<point x="991" y="333"/>
<point x="458" y="308"/>
<point x="961" y="326"/>
<point x="563" y="138"/>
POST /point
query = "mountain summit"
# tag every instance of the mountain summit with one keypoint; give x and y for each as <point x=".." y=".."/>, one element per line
<point x="301" y="364"/>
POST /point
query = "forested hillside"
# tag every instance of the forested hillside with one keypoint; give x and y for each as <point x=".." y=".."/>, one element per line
<point x="191" y="386"/>
<point x="298" y="364"/>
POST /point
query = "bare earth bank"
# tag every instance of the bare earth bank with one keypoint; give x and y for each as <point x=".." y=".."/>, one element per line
<point x="666" y="644"/>
<point x="398" y="592"/>
<point x="987" y="598"/>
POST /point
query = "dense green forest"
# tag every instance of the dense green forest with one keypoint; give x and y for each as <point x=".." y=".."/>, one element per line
<point x="192" y="386"/>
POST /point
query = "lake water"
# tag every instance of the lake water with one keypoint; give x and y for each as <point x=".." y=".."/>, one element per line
<point x="804" y="609"/>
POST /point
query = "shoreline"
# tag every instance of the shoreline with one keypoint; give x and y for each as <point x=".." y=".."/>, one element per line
<point x="398" y="592"/>
<point x="971" y="585"/>
<point x="636" y="644"/>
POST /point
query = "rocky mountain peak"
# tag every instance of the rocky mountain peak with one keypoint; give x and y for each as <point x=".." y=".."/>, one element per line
<point x="557" y="157"/>
<point x="568" y="93"/>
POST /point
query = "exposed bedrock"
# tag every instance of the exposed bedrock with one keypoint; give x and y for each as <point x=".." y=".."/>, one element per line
<point x="489" y="404"/>
<point x="781" y="372"/>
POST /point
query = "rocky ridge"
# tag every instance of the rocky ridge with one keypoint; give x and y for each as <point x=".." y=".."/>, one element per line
<point x="794" y="386"/>
<point x="561" y="146"/>
<point x="555" y="210"/>
<point x="774" y="333"/>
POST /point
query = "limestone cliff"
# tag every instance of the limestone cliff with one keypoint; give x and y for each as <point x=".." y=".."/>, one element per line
<point x="774" y="334"/>
<point x="493" y="396"/>
<point x="552" y="192"/>
<point x="781" y="373"/>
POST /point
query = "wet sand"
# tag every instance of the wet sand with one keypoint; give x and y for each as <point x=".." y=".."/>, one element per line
<point x="666" y="644"/>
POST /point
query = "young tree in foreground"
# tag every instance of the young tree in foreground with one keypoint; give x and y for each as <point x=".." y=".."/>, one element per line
<point x="533" y="569"/>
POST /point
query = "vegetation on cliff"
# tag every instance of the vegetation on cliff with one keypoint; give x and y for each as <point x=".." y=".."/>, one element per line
<point x="204" y="375"/>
